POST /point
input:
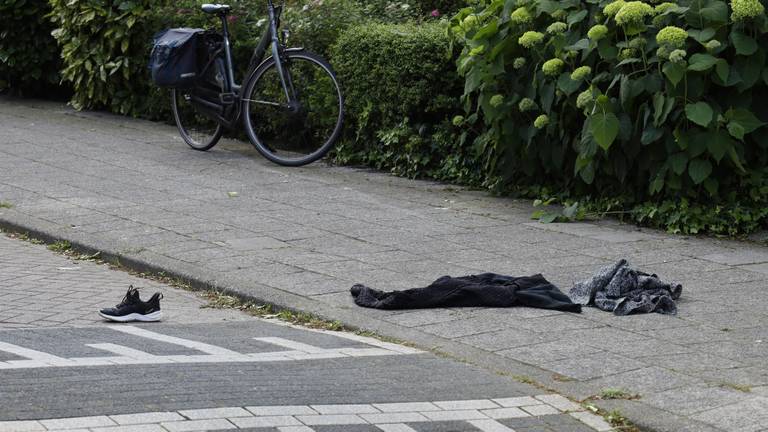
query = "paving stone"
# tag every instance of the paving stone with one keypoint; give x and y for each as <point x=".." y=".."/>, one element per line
<point x="560" y="402"/>
<point x="157" y="417"/>
<point x="466" y="404"/>
<point x="78" y="422"/>
<point x="593" y="366"/>
<point x="540" y="410"/>
<point x="21" y="426"/>
<point x="518" y="401"/>
<point x="505" y="413"/>
<point x="406" y="407"/>
<point x="732" y="417"/>
<point x="691" y="400"/>
<point x="592" y="420"/>
<point x="130" y="428"/>
<point x="261" y="422"/>
<point x="338" y="419"/>
<point x="281" y="410"/>
<point x="214" y="413"/>
<point x="454" y="415"/>
<point x="198" y="425"/>
<point x="345" y="409"/>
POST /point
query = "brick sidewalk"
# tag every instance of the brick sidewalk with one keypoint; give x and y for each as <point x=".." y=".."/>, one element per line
<point x="302" y="237"/>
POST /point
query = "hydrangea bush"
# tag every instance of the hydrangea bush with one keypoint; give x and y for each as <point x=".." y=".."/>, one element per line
<point x="606" y="98"/>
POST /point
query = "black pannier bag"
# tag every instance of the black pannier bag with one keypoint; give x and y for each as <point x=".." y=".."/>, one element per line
<point x="174" y="58"/>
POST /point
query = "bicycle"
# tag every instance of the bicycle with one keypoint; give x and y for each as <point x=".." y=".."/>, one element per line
<point x="290" y="103"/>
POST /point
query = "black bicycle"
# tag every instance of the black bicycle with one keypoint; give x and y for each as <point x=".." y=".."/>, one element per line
<point x="290" y="103"/>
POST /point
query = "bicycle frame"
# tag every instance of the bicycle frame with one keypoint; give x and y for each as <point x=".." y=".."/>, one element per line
<point x="231" y="98"/>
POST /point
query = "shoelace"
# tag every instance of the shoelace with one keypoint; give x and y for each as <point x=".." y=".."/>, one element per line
<point x="131" y="297"/>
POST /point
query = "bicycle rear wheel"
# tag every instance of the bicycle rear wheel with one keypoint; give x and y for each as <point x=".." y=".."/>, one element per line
<point x="299" y="134"/>
<point x="197" y="130"/>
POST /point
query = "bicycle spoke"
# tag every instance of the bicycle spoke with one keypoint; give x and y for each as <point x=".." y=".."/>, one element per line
<point x="303" y="131"/>
<point x="263" y="102"/>
<point x="196" y="129"/>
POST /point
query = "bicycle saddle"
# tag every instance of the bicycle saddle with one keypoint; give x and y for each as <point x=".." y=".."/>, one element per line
<point x="215" y="8"/>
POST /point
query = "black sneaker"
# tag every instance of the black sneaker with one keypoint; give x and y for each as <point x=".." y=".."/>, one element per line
<point x="133" y="309"/>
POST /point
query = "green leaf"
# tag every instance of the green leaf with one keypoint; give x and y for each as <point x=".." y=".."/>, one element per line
<point x="657" y="184"/>
<point x="744" y="118"/>
<point x="701" y="62"/>
<point x="674" y="72"/>
<point x="697" y="144"/>
<point x="711" y="185"/>
<point x="651" y="134"/>
<point x="699" y="113"/>
<point x="702" y="35"/>
<point x="548" y="218"/>
<point x="699" y="170"/>
<point x="744" y="44"/>
<point x="678" y="162"/>
<point x="566" y="84"/>
<point x="570" y="211"/>
<point x="580" y="45"/>
<point x="722" y="69"/>
<point x="661" y="108"/>
<point x="577" y="17"/>
<point x="736" y="130"/>
<point x="714" y="12"/>
<point x="604" y="128"/>
<point x="487" y="31"/>
<point x="749" y="69"/>
<point x="658" y="106"/>
<point x="735" y="159"/>
<point x="718" y="144"/>
<point x="588" y="173"/>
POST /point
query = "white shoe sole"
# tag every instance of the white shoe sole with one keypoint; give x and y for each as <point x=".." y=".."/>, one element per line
<point x="154" y="316"/>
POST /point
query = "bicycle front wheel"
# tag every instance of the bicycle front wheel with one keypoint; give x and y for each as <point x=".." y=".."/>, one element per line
<point x="197" y="130"/>
<point x="299" y="133"/>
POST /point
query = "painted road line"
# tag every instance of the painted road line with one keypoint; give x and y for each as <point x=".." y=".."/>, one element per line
<point x="297" y="346"/>
<point x="298" y="351"/>
<point x="388" y="417"/>
<point x="33" y="357"/>
<point x="199" y="346"/>
<point x="351" y="336"/>
<point x="128" y="355"/>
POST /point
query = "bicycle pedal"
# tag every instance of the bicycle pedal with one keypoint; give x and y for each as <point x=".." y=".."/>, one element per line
<point x="227" y="98"/>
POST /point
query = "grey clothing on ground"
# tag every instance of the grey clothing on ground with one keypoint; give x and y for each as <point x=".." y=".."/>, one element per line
<point x="623" y="290"/>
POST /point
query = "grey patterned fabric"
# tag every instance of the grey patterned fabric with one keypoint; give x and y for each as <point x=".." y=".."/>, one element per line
<point x="623" y="290"/>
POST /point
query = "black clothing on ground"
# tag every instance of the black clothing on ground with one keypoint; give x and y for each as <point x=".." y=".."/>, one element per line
<point x="620" y="289"/>
<point x="487" y="289"/>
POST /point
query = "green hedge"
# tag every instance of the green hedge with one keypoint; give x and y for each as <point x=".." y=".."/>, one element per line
<point x="624" y="99"/>
<point x="401" y="88"/>
<point x="28" y="52"/>
<point x="104" y="50"/>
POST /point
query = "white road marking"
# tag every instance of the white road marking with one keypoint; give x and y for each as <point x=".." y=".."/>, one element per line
<point x="211" y="353"/>
<point x="285" y="343"/>
<point x="34" y="357"/>
<point x="300" y="418"/>
<point x="123" y="351"/>
<point x="200" y="346"/>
